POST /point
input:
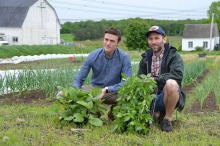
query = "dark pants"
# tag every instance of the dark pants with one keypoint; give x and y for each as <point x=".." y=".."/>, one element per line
<point x="109" y="97"/>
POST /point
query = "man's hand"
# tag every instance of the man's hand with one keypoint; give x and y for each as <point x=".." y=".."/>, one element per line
<point x="152" y="78"/>
<point x="102" y="94"/>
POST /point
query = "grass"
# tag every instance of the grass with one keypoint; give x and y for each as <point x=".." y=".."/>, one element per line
<point x="38" y="127"/>
<point x="67" y="37"/>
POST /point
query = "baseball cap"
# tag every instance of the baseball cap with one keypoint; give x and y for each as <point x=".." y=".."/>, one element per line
<point x="156" y="29"/>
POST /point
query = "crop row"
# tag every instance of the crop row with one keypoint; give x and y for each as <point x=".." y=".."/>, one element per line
<point x="49" y="80"/>
<point x="208" y="85"/>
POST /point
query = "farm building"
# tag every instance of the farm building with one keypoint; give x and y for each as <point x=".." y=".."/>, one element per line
<point x="29" y="22"/>
<point x="198" y="35"/>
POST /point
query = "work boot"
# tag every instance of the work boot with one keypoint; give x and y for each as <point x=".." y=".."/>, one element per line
<point x="166" y="125"/>
<point x="110" y="114"/>
<point x="161" y="117"/>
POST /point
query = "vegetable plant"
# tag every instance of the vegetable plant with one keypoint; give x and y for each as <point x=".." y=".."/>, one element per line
<point x="79" y="107"/>
<point x="132" y="112"/>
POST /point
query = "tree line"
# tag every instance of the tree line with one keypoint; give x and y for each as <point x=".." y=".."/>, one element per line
<point x="91" y="30"/>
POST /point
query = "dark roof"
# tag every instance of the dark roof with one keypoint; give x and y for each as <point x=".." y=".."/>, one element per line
<point x="200" y="31"/>
<point x="13" y="12"/>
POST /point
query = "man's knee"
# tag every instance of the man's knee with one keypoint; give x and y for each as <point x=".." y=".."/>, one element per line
<point x="171" y="86"/>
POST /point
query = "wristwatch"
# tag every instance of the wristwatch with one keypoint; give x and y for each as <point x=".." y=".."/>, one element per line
<point x="106" y="90"/>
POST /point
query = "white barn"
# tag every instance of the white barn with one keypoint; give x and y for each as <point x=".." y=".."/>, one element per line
<point x="198" y="35"/>
<point x="29" y="22"/>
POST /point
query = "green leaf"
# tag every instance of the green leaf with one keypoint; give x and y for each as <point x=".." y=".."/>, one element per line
<point x="64" y="113"/>
<point x="88" y="105"/>
<point x="62" y="101"/>
<point x="77" y="117"/>
<point x="143" y="76"/>
<point x="123" y="75"/>
<point x="68" y="118"/>
<point x="72" y="107"/>
<point x="72" y="94"/>
<point x="119" y="115"/>
<point x="82" y="94"/>
<point x="126" y="119"/>
<point x="95" y="91"/>
<point x="65" y="92"/>
<point x="95" y="121"/>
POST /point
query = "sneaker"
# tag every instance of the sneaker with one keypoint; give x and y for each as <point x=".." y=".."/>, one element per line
<point x="166" y="125"/>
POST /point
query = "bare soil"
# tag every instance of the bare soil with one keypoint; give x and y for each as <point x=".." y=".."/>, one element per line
<point x="25" y="97"/>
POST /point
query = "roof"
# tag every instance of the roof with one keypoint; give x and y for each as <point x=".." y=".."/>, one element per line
<point x="13" y="12"/>
<point x="200" y="31"/>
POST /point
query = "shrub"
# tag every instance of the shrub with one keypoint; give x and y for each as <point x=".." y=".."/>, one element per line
<point x="132" y="111"/>
<point x="79" y="107"/>
<point x="198" y="48"/>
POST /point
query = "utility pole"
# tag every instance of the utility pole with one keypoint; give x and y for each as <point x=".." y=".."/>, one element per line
<point x="41" y="11"/>
<point x="211" y="32"/>
<point x="42" y="20"/>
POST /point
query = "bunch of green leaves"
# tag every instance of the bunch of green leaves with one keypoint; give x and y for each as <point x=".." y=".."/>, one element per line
<point x="79" y="107"/>
<point x="132" y="112"/>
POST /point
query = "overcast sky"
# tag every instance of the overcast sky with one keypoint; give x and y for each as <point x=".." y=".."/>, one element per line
<point x="81" y="10"/>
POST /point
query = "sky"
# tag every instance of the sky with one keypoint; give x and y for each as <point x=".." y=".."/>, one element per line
<point x="82" y="10"/>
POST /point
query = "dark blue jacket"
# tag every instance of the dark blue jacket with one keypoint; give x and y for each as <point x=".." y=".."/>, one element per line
<point x="172" y="67"/>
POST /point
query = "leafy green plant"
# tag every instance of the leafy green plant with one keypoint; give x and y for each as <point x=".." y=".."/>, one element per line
<point x="79" y="107"/>
<point x="132" y="111"/>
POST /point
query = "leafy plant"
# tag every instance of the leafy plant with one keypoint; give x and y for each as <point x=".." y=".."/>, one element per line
<point x="132" y="111"/>
<point x="79" y="107"/>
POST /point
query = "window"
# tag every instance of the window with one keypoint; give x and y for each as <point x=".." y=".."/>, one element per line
<point x="190" y="44"/>
<point x="15" y="39"/>
<point x="205" y="44"/>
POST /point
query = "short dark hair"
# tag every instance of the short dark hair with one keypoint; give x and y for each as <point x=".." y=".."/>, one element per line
<point x="114" y="31"/>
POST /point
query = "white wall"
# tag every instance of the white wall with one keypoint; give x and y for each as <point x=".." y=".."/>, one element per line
<point x="10" y="33"/>
<point x="41" y="25"/>
<point x="198" y="43"/>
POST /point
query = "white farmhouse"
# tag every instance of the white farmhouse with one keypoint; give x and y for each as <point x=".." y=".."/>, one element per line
<point x="29" y="22"/>
<point x="198" y="35"/>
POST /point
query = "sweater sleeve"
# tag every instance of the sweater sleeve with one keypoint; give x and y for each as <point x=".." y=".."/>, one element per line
<point x="127" y="70"/>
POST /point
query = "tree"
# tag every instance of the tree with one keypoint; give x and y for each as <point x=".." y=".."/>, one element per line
<point x="215" y="8"/>
<point x="135" y="36"/>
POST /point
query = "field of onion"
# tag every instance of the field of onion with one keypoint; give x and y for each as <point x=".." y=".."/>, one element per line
<point x="47" y="80"/>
